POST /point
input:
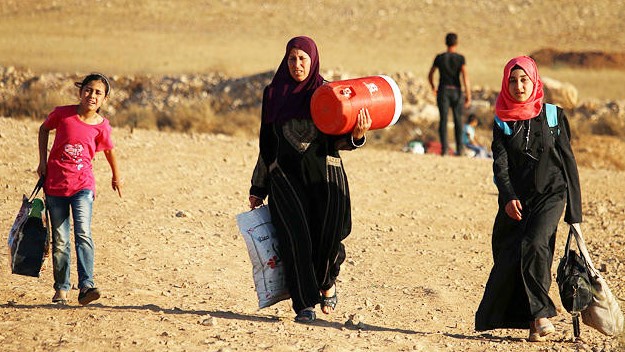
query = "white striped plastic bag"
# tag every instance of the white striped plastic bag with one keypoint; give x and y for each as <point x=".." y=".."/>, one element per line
<point x="262" y="245"/>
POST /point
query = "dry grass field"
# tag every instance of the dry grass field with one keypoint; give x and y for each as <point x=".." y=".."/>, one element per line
<point x="364" y="37"/>
<point x="175" y="273"/>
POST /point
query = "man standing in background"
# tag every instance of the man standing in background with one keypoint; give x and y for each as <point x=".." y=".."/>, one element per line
<point x="449" y="93"/>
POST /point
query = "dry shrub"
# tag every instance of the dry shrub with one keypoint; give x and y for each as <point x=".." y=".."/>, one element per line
<point x="35" y="102"/>
<point x="609" y="126"/>
<point x="197" y="116"/>
<point x="241" y="123"/>
<point x="191" y="116"/>
<point x="136" y="116"/>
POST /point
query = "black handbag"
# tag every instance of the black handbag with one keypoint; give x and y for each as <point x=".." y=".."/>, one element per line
<point x="29" y="236"/>
<point x="573" y="280"/>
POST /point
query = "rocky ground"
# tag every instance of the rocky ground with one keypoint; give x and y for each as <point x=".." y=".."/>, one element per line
<point x="176" y="276"/>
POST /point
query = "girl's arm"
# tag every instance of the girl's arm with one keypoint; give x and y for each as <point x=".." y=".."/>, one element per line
<point x="116" y="181"/>
<point x="42" y="139"/>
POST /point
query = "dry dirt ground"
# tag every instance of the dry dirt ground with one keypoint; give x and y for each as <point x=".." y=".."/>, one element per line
<point x="176" y="276"/>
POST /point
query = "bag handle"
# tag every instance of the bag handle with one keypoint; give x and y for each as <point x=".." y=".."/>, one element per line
<point x="38" y="188"/>
<point x="576" y="231"/>
<point x="567" y="247"/>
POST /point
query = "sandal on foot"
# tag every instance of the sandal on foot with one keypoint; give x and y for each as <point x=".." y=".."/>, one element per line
<point x="306" y="315"/>
<point x="538" y="333"/>
<point x="60" y="297"/>
<point x="329" y="302"/>
<point x="60" y="301"/>
<point x="535" y="337"/>
<point x="544" y="330"/>
<point x="89" y="295"/>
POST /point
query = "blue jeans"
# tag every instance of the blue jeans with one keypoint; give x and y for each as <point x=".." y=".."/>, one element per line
<point x="447" y="98"/>
<point x="480" y="152"/>
<point x="81" y="206"/>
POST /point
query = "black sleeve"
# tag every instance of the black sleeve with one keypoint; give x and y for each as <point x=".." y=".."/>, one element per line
<point x="573" y="212"/>
<point x="500" y="166"/>
<point x="267" y="145"/>
<point x="347" y="142"/>
<point x="260" y="176"/>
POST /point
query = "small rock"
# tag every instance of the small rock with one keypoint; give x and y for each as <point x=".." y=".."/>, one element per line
<point x="209" y="322"/>
<point x="182" y="214"/>
<point x="355" y="320"/>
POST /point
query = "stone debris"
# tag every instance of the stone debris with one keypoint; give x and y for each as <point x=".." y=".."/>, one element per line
<point x="134" y="95"/>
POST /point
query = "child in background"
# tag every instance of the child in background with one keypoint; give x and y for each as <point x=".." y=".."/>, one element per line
<point x="69" y="182"/>
<point x="469" y="140"/>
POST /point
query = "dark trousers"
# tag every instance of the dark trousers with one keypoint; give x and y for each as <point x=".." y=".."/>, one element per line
<point x="450" y="98"/>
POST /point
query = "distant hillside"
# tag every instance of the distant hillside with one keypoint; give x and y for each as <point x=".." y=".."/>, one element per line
<point x="248" y="37"/>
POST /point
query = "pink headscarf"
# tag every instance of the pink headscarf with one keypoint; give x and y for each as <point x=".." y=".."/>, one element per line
<point x="506" y="107"/>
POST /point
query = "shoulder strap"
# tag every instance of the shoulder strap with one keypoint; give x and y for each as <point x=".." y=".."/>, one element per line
<point x="552" y="119"/>
<point x="503" y="126"/>
<point x="576" y="231"/>
<point x="552" y="115"/>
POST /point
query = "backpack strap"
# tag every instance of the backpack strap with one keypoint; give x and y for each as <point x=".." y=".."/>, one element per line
<point x="503" y="126"/>
<point x="552" y="119"/>
<point x="552" y="115"/>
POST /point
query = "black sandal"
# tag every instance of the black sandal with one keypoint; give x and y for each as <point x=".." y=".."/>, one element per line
<point x="306" y="315"/>
<point x="329" y="301"/>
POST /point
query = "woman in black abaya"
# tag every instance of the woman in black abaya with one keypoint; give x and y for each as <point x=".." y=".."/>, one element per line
<point x="300" y="169"/>
<point x="536" y="175"/>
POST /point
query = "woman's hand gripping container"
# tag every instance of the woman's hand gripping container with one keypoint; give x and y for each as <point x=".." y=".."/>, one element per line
<point x="334" y="106"/>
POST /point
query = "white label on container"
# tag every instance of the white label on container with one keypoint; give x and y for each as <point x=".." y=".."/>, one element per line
<point x="372" y="87"/>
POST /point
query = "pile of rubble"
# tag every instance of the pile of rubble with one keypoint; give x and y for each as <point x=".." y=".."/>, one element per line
<point x="24" y="93"/>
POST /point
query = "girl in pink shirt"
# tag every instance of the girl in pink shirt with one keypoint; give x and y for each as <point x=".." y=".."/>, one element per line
<point x="69" y="182"/>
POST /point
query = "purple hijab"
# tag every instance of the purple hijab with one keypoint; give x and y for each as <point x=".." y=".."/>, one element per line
<point x="285" y="98"/>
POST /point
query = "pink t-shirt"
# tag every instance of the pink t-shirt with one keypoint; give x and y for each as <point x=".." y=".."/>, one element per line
<point x="69" y="164"/>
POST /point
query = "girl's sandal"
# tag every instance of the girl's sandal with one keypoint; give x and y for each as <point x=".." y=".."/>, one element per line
<point x="60" y="298"/>
<point x="546" y="329"/>
<point x="329" y="302"/>
<point x="538" y="333"/>
<point x="535" y="337"/>
<point x="60" y="301"/>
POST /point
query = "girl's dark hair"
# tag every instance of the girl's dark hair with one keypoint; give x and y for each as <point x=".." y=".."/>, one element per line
<point x="95" y="77"/>
<point x="516" y="67"/>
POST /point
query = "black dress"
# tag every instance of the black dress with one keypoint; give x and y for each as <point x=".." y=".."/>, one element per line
<point x="299" y="167"/>
<point x="536" y="165"/>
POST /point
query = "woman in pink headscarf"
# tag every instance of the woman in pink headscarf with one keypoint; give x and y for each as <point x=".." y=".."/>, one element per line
<point x="536" y="175"/>
<point x="300" y="169"/>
